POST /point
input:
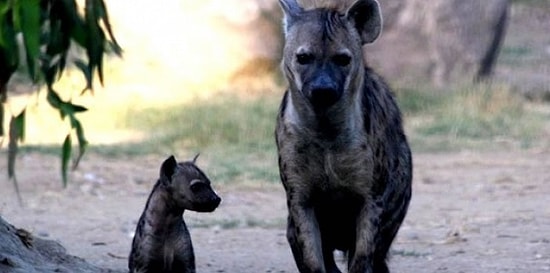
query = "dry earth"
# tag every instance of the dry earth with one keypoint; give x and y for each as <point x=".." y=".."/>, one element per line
<point x="471" y="212"/>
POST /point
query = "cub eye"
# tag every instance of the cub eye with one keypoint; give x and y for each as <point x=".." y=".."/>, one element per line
<point x="304" y="58"/>
<point x="341" y="59"/>
<point x="196" y="185"/>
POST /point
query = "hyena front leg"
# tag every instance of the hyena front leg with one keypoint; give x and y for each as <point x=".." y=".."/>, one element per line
<point x="304" y="238"/>
<point x="330" y="263"/>
<point x="361" y="259"/>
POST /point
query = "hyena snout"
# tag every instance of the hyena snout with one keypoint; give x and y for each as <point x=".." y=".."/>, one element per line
<point x="204" y="197"/>
<point x="323" y="91"/>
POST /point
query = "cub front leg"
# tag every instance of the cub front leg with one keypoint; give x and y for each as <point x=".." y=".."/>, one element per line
<point x="304" y="238"/>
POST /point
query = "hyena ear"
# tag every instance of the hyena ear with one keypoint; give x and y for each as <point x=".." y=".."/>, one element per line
<point x="367" y="18"/>
<point x="291" y="10"/>
<point x="168" y="167"/>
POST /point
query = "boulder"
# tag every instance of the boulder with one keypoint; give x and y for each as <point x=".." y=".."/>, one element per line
<point x="444" y="40"/>
<point x="21" y="252"/>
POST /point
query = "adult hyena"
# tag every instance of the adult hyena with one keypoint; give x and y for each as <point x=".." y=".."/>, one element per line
<point x="344" y="160"/>
<point x="162" y="242"/>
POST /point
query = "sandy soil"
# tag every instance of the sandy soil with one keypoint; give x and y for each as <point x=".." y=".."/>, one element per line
<point x="471" y="212"/>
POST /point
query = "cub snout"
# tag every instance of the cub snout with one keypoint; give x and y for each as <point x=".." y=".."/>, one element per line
<point x="208" y="204"/>
<point x="204" y="197"/>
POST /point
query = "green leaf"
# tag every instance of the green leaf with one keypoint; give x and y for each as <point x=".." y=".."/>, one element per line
<point x="53" y="99"/>
<point x="50" y="72"/>
<point x="96" y="41"/>
<point x="29" y="12"/>
<point x="19" y="125"/>
<point x="58" y="42"/>
<point x="65" y="108"/>
<point x="69" y="109"/>
<point x="82" y="142"/>
<point x="101" y="12"/>
<point x="12" y="148"/>
<point x="72" y="21"/>
<point x="16" y="16"/>
<point x="65" y="158"/>
<point x="4" y="10"/>
<point x="87" y="74"/>
<point x="1" y="119"/>
<point x="9" y="57"/>
<point x="16" y="134"/>
<point x="78" y="108"/>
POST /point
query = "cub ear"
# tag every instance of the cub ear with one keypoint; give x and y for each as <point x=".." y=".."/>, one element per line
<point x="291" y="10"/>
<point x="168" y="167"/>
<point x="367" y="19"/>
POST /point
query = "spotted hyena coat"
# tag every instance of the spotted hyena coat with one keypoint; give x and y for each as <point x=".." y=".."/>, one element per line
<point x="344" y="160"/>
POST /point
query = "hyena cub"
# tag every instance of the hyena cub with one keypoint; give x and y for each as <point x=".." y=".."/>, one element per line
<point x="344" y="159"/>
<point x="162" y="242"/>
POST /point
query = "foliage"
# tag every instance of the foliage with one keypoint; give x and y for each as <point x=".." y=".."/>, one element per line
<point x="234" y="134"/>
<point x="480" y="117"/>
<point x="36" y="37"/>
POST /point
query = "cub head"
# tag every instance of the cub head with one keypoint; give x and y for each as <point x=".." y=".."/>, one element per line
<point x="322" y="57"/>
<point x="188" y="186"/>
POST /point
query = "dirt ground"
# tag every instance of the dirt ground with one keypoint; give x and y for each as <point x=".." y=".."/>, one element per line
<point x="470" y="212"/>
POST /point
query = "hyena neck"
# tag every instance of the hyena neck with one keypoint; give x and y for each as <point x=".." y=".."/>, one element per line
<point x="160" y="213"/>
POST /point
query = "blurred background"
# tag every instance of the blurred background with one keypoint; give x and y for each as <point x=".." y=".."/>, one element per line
<point x="204" y="76"/>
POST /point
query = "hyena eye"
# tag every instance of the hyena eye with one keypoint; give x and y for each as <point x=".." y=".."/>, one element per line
<point x="304" y="58"/>
<point x="341" y="59"/>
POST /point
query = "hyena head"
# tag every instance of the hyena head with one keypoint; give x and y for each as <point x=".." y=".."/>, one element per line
<point x="323" y="58"/>
<point x="187" y="186"/>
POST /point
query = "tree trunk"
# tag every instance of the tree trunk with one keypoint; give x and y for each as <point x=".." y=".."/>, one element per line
<point x="21" y="252"/>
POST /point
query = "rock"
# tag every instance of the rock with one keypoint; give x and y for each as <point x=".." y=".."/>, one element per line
<point x="21" y="252"/>
<point x="444" y="40"/>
